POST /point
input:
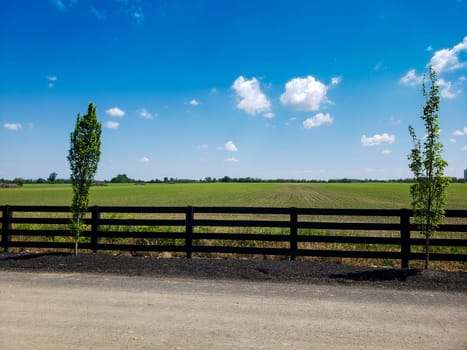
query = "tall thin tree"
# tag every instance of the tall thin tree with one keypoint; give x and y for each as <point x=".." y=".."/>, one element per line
<point x="84" y="156"/>
<point x="429" y="192"/>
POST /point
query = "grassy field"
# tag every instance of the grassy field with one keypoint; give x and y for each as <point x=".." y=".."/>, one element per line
<point x="317" y="195"/>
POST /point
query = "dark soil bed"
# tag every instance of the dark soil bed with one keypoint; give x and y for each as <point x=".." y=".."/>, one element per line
<point x="255" y="270"/>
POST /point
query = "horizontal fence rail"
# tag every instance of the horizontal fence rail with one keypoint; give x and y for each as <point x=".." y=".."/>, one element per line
<point x="290" y="232"/>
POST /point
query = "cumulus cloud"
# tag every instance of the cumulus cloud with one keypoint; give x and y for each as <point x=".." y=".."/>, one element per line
<point x="269" y="115"/>
<point x="317" y="120"/>
<point x="194" y="102"/>
<point x="112" y="125"/>
<point x="448" y="59"/>
<point x="304" y="94"/>
<point x="143" y="112"/>
<point x="144" y="159"/>
<point x="465" y="148"/>
<point x="115" y="112"/>
<point x="231" y="160"/>
<point x="230" y="146"/>
<point x="12" y="126"/>
<point x="250" y="97"/>
<point x="447" y="90"/>
<point x="377" y="139"/>
<point x="411" y="78"/>
<point x="462" y="132"/>
<point x="386" y="151"/>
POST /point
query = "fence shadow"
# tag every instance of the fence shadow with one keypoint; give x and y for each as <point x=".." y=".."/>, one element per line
<point x="33" y="256"/>
<point x="378" y="275"/>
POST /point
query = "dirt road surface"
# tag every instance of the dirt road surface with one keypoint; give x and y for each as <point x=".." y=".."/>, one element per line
<point x="91" y="311"/>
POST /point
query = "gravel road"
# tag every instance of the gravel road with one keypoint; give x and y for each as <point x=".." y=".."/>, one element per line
<point x="103" y="311"/>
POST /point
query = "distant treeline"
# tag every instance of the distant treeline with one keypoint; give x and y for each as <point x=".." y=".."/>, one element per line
<point x="123" y="178"/>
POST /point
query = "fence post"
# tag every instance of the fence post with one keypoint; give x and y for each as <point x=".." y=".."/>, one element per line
<point x="405" y="237"/>
<point x="189" y="231"/>
<point x="6" y="227"/>
<point x="95" y="217"/>
<point x="293" y="233"/>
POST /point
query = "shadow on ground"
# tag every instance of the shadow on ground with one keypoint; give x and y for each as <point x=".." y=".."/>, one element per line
<point x="378" y="275"/>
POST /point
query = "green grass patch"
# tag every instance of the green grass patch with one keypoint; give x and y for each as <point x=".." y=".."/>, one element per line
<point x="312" y="195"/>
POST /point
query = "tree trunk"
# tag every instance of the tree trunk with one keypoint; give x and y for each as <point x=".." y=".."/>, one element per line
<point x="77" y="233"/>
<point x="427" y="252"/>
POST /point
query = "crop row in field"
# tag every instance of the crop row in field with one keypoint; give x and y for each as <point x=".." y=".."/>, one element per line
<point x="312" y="195"/>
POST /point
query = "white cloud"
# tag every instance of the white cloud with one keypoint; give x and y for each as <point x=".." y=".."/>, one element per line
<point x="269" y="115"/>
<point x="336" y="80"/>
<point x="429" y="48"/>
<point x="213" y="92"/>
<point x="194" y="102"/>
<point x="386" y="151"/>
<point x="317" y="120"/>
<point x="452" y="140"/>
<point x="100" y="15"/>
<point x="229" y="146"/>
<point x="13" y="126"/>
<point x="446" y="89"/>
<point x="251" y="99"/>
<point x="304" y="94"/>
<point x="112" y="125"/>
<point x="52" y="81"/>
<point x="231" y="160"/>
<point x="64" y="5"/>
<point x="465" y="148"/>
<point x="115" y="112"/>
<point x="144" y="159"/>
<point x="377" y="66"/>
<point x="460" y="132"/>
<point x="138" y="14"/>
<point x="143" y="112"/>
<point x="411" y="78"/>
<point x="448" y="59"/>
<point x="203" y="146"/>
<point x="377" y="139"/>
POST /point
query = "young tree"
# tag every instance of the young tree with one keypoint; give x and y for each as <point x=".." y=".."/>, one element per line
<point x="84" y="157"/>
<point x="429" y="192"/>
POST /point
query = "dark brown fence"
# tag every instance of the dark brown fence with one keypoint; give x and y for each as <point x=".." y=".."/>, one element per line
<point x="291" y="232"/>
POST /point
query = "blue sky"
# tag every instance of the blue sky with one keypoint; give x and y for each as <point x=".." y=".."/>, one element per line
<point x="269" y="89"/>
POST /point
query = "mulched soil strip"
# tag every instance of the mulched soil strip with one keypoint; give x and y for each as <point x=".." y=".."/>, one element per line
<point x="239" y="269"/>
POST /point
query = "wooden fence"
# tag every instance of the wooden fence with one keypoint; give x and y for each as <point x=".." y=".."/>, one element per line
<point x="291" y="232"/>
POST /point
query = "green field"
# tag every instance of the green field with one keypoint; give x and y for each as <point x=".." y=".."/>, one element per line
<point x="312" y="195"/>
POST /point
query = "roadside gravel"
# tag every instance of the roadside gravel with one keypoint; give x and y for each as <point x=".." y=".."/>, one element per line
<point x="237" y="269"/>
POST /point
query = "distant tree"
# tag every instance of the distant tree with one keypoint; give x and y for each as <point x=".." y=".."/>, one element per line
<point x="19" y="181"/>
<point x="52" y="177"/>
<point x="122" y="178"/>
<point x="84" y="156"/>
<point x="429" y="192"/>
